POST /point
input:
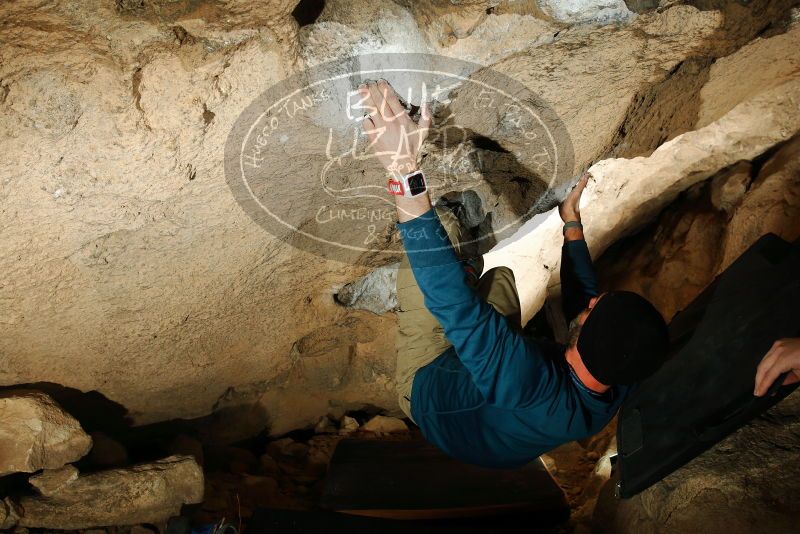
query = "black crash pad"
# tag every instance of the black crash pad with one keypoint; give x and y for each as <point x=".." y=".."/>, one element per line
<point x="705" y="391"/>
<point x="414" y="480"/>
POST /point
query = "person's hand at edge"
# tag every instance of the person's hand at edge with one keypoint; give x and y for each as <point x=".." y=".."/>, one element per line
<point x="783" y="357"/>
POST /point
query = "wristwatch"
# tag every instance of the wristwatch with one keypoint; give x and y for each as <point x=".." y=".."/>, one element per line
<point x="408" y="185"/>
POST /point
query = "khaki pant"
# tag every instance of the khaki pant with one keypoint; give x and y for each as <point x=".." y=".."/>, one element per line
<point x="420" y="337"/>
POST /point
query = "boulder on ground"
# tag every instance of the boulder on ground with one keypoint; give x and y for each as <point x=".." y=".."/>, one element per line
<point x="50" y="481"/>
<point x="145" y="493"/>
<point x="35" y="433"/>
<point x="326" y="425"/>
<point x="388" y="425"/>
<point x="348" y="425"/>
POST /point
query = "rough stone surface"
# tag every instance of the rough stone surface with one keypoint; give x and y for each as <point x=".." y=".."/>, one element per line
<point x="595" y="11"/>
<point x="287" y="447"/>
<point x="348" y="425"/>
<point x="268" y="465"/>
<point x="728" y="189"/>
<point x="9" y="513"/>
<point x="772" y="204"/>
<point x="746" y="483"/>
<point x="672" y="265"/>
<point x="123" y="248"/>
<point x="608" y="66"/>
<point x="501" y="35"/>
<point x="35" y="433"/>
<point x="325" y="426"/>
<point x="758" y="66"/>
<point x="376" y="292"/>
<point x="697" y="238"/>
<point x="388" y="425"/>
<point x="700" y="237"/>
<point x="145" y="493"/>
<point x="649" y="184"/>
<point x="49" y="481"/>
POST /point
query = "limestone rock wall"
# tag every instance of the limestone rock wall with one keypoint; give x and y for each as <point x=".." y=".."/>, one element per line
<point x="35" y="433"/>
<point x="718" y="220"/>
<point x="746" y="132"/>
<point x="128" y="267"/>
<point x="697" y="238"/>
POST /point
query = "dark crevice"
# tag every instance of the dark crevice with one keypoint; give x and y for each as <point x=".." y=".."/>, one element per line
<point x="486" y="143"/>
<point x="136" y="93"/>
<point x="183" y="37"/>
<point x="523" y="190"/>
<point x="308" y="11"/>
<point x="136" y="82"/>
<point x="208" y="115"/>
<point x="4" y="90"/>
<point x="758" y="162"/>
<point x="662" y="111"/>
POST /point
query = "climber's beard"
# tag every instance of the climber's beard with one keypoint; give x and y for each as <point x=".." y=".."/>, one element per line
<point x="574" y="332"/>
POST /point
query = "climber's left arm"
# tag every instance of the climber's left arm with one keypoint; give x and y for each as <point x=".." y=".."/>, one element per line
<point x="578" y="280"/>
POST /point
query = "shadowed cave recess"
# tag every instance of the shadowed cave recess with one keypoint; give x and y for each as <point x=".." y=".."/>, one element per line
<point x="169" y="362"/>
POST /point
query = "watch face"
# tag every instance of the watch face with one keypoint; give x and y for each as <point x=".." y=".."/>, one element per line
<point x="416" y="184"/>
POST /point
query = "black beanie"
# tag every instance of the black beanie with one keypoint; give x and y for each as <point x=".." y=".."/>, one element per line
<point x="624" y="339"/>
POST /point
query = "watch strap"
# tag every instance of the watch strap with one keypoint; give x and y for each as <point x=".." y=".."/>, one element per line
<point x="395" y="187"/>
<point x="399" y="186"/>
<point x="571" y="224"/>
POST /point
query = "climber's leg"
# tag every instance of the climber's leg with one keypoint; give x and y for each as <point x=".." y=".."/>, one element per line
<point x="497" y="287"/>
<point x="420" y="337"/>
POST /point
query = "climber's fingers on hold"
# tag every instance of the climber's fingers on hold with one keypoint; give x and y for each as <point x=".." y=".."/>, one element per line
<point x="382" y="111"/>
<point x="370" y="129"/>
<point x="393" y="107"/>
<point x="582" y="182"/>
<point x="574" y="196"/>
<point x="371" y="104"/>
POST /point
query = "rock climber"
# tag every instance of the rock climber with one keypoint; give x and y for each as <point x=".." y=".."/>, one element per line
<point x="477" y="386"/>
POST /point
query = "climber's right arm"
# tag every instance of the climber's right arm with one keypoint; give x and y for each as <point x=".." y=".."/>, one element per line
<point x="496" y="356"/>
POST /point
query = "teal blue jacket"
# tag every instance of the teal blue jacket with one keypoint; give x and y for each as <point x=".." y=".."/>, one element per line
<point x="497" y="398"/>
